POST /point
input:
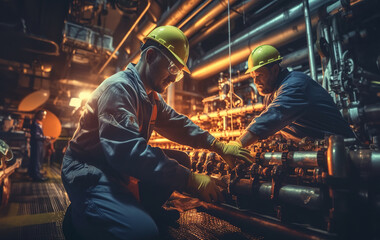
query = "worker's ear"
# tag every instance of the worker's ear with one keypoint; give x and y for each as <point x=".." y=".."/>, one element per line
<point x="275" y="69"/>
<point x="150" y="55"/>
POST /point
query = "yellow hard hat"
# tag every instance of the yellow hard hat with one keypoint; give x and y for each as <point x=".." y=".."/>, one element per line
<point x="261" y="56"/>
<point x="174" y="40"/>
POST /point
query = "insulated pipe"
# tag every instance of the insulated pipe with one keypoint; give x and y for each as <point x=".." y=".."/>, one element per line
<point x="310" y="159"/>
<point x="227" y="112"/>
<point x="277" y="29"/>
<point x="295" y="195"/>
<point x="245" y="6"/>
<point x="208" y="14"/>
<point x="309" y="36"/>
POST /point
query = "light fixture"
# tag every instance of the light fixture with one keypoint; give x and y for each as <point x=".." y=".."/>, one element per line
<point x="75" y="102"/>
<point x="84" y="95"/>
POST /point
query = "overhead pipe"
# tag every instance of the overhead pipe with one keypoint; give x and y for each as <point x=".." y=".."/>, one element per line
<point x="274" y="30"/>
<point x="309" y="37"/>
<point x="244" y="6"/>
<point x="200" y="8"/>
<point x="125" y="37"/>
<point x="209" y="13"/>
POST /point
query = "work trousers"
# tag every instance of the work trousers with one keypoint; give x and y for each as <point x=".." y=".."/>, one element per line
<point x="119" y="215"/>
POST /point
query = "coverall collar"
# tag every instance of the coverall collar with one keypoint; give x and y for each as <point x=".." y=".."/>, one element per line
<point x="281" y="76"/>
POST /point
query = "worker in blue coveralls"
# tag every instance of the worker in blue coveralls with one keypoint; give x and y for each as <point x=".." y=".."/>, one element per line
<point x="109" y="151"/>
<point x="296" y="106"/>
<point x="37" y="145"/>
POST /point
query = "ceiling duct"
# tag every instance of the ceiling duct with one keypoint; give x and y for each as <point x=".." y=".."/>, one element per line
<point x="277" y="29"/>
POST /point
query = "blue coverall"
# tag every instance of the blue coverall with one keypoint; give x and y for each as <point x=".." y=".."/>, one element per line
<point x="110" y="144"/>
<point x="299" y="107"/>
<point x="37" y="139"/>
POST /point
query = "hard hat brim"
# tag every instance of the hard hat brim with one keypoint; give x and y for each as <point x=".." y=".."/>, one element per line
<point x="185" y="68"/>
<point x="249" y="70"/>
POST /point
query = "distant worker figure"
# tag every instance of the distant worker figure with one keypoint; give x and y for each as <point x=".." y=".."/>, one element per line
<point x="37" y="140"/>
<point x="109" y="150"/>
<point x="295" y="105"/>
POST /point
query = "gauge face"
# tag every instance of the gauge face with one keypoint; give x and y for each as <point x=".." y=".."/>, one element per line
<point x="5" y="151"/>
<point x="34" y="100"/>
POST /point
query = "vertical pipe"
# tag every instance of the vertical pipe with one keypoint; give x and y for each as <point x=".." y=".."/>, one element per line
<point x="171" y="95"/>
<point x="309" y="35"/>
<point x="337" y="162"/>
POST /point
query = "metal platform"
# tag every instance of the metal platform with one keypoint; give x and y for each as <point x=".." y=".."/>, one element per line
<point x="36" y="210"/>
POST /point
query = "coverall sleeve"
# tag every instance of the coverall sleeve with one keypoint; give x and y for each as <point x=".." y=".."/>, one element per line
<point x="290" y="103"/>
<point x="126" y="151"/>
<point x="179" y="128"/>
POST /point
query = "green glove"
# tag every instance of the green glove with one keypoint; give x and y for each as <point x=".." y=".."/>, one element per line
<point x="230" y="151"/>
<point x="203" y="187"/>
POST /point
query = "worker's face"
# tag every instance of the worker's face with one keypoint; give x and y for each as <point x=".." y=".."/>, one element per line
<point x="41" y="115"/>
<point x="159" y="76"/>
<point x="265" y="79"/>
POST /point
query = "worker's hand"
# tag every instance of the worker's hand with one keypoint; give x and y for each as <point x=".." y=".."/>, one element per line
<point x="232" y="151"/>
<point x="204" y="187"/>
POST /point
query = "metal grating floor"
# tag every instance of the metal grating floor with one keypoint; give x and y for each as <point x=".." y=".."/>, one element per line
<point x="36" y="210"/>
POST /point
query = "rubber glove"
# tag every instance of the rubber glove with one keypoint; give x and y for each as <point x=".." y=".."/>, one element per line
<point x="203" y="187"/>
<point x="231" y="151"/>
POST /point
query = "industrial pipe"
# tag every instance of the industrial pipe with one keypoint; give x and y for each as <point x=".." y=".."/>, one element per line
<point x="208" y="14"/>
<point x="309" y="159"/>
<point x="244" y="6"/>
<point x="270" y="226"/>
<point x="367" y="161"/>
<point x="274" y="30"/>
<point x="337" y="163"/>
<point x="300" y="196"/>
<point x="309" y="36"/>
<point x="239" y="110"/>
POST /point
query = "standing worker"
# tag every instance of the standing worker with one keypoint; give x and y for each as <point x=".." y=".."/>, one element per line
<point x="296" y="105"/>
<point x="110" y="150"/>
<point x="37" y="140"/>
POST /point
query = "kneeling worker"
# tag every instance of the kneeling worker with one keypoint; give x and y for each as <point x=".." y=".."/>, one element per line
<point x="110" y="147"/>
